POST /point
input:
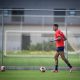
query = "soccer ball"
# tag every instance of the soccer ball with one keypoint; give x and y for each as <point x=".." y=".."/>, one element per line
<point x="2" y="68"/>
<point x="42" y="69"/>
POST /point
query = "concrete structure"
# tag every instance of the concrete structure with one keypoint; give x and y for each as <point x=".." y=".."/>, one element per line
<point x="39" y="19"/>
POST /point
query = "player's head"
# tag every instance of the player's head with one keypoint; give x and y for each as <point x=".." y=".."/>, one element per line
<point x="55" y="27"/>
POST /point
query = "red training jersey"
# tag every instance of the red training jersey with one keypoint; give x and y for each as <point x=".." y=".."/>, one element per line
<point x="59" y="33"/>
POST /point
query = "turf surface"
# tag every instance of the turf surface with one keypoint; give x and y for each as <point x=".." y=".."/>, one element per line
<point x="38" y="61"/>
<point x="37" y="75"/>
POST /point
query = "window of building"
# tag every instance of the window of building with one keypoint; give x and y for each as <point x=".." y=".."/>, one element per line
<point x="17" y="14"/>
<point x="72" y="12"/>
<point x="59" y="15"/>
<point x="59" y="12"/>
<point x="6" y="12"/>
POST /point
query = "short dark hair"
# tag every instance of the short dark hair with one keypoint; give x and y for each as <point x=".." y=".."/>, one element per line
<point x="55" y="25"/>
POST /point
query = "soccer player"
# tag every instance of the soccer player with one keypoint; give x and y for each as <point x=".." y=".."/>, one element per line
<point x="59" y="40"/>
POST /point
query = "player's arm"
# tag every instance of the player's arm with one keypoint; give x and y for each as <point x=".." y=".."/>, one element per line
<point x="57" y="39"/>
<point x="65" y="38"/>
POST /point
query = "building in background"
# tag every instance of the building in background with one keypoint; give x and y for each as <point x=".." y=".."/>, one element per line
<point x="36" y="15"/>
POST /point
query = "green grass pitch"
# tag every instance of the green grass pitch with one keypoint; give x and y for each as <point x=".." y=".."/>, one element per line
<point x="38" y="61"/>
<point x="37" y="75"/>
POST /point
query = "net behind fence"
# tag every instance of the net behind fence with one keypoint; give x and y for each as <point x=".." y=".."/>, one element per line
<point x="28" y="43"/>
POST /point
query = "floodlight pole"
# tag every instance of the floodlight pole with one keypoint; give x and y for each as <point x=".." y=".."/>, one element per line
<point x="2" y="39"/>
<point x="66" y="43"/>
<point x="43" y="30"/>
<point x="21" y="22"/>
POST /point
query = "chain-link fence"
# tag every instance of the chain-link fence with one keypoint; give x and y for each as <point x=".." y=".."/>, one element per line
<point x="25" y="36"/>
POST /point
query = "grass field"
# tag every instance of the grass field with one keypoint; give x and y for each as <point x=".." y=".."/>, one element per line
<point x="37" y="75"/>
<point x="39" y="61"/>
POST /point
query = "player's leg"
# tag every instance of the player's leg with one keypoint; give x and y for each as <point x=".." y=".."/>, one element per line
<point x="56" y="61"/>
<point x="64" y="59"/>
